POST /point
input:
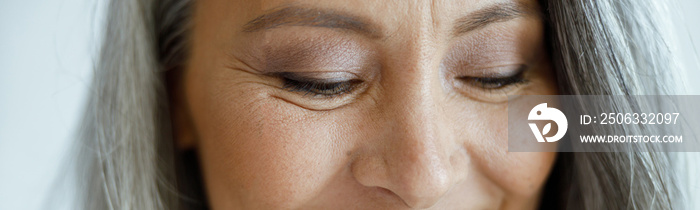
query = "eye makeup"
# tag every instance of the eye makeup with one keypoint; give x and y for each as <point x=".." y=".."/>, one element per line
<point x="320" y="65"/>
<point x="494" y="84"/>
<point x="495" y="81"/>
<point x="314" y="84"/>
<point x="319" y="52"/>
<point x="494" y="63"/>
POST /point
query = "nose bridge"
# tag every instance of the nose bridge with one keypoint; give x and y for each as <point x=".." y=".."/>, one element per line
<point x="417" y="156"/>
<point x="412" y="155"/>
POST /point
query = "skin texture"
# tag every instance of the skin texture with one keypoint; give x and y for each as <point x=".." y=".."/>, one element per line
<point x="411" y="134"/>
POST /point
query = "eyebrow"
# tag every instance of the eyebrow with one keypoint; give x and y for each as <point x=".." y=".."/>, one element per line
<point x="496" y="13"/>
<point x="301" y="16"/>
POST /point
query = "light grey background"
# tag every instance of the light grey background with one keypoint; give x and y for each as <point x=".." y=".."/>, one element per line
<point x="46" y="49"/>
<point x="46" y="54"/>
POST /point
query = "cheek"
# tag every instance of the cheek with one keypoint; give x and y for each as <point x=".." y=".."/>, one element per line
<point x="520" y="174"/>
<point x="261" y="150"/>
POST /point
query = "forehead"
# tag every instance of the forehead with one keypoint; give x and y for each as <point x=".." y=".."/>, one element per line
<point x="385" y="16"/>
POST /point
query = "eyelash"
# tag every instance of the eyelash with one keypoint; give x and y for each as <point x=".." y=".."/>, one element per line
<point x="496" y="83"/>
<point x="319" y="88"/>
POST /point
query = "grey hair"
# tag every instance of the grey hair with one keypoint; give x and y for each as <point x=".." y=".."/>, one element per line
<point x="126" y="153"/>
<point x="598" y="47"/>
<point x="612" y="47"/>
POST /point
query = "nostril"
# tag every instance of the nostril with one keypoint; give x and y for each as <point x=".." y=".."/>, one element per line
<point x="388" y="193"/>
<point x="393" y="197"/>
<point x="425" y="184"/>
<point x="423" y="199"/>
<point x="385" y="191"/>
<point x="414" y="187"/>
<point x="410" y="202"/>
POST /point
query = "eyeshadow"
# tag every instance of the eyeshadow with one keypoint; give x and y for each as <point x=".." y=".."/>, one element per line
<point x="315" y="54"/>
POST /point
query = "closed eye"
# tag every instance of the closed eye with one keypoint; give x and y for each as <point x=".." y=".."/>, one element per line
<point x="315" y="87"/>
<point x="496" y="82"/>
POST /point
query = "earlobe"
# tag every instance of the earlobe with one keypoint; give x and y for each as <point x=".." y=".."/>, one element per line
<point x="183" y="131"/>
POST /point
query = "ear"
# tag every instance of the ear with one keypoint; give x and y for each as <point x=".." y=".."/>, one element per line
<point x="183" y="130"/>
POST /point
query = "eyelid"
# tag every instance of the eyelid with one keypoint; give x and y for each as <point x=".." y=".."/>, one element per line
<point x="317" y="90"/>
<point x="299" y="50"/>
<point x="501" y="71"/>
<point x="496" y="83"/>
<point x="319" y="84"/>
<point x="492" y="85"/>
<point x="321" y="77"/>
<point x="508" y="72"/>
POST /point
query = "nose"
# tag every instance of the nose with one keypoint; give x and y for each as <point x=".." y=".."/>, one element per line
<point x="412" y="156"/>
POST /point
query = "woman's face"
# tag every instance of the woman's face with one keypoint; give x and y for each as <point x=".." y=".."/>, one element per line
<point x="306" y="104"/>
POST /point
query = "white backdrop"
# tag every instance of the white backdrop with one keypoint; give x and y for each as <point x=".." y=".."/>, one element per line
<point x="46" y="49"/>
<point x="46" y="54"/>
